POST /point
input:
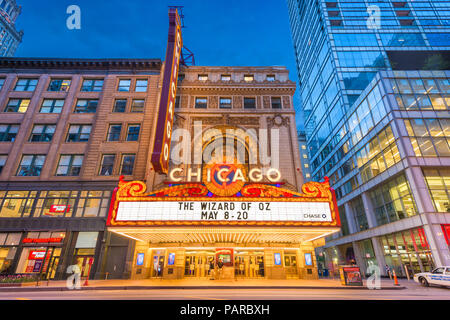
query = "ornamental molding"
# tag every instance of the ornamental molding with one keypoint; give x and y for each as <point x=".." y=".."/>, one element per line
<point x="278" y="121"/>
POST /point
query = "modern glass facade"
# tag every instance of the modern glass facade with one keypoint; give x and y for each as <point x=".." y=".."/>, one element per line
<point x="379" y="133"/>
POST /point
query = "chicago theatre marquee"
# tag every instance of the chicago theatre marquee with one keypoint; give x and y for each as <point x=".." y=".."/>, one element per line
<point x="224" y="182"/>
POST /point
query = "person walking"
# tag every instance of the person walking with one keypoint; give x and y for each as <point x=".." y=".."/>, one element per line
<point x="220" y="267"/>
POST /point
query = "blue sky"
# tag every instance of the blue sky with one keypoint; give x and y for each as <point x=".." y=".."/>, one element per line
<point x="219" y="32"/>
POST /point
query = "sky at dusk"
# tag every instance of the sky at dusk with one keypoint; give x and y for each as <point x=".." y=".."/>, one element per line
<point x="219" y="32"/>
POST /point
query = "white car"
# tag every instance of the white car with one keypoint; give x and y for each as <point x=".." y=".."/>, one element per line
<point x="439" y="276"/>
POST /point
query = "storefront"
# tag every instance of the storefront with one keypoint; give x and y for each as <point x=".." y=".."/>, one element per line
<point x="263" y="231"/>
<point x="41" y="253"/>
<point x="407" y="251"/>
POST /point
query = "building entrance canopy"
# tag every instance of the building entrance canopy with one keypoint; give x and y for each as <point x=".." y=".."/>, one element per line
<point x="190" y="214"/>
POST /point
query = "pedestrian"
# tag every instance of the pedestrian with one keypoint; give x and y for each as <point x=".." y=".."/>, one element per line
<point x="220" y="266"/>
<point x="388" y="271"/>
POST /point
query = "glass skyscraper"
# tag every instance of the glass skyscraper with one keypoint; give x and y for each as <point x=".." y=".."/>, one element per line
<point x="9" y="36"/>
<point x="375" y="94"/>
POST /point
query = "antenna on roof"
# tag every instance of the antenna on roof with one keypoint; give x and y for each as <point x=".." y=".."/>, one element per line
<point x="187" y="56"/>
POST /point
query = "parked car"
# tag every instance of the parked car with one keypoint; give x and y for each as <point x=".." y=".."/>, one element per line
<point x="439" y="276"/>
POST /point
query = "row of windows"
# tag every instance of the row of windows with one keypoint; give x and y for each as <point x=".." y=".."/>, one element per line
<point x="70" y="164"/>
<point x="81" y="106"/>
<point x="88" y="85"/>
<point x="20" y="204"/>
<point x="75" y="133"/>
<point x="227" y="77"/>
<point x="429" y="137"/>
<point x="226" y="103"/>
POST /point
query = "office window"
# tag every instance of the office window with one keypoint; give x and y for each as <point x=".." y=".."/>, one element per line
<point x="438" y="182"/>
<point x="141" y="85"/>
<point x="276" y="103"/>
<point x="133" y="132"/>
<point x="392" y="201"/>
<point x="3" y="158"/>
<point x="86" y="106"/>
<point x="42" y="133"/>
<point x="202" y="77"/>
<point x="79" y="133"/>
<point x="225" y="77"/>
<point x="107" y="164"/>
<point x="31" y="165"/>
<point x="69" y="165"/>
<point x="52" y="106"/>
<point x="17" y="204"/>
<point x="270" y="77"/>
<point x="92" y="85"/>
<point x="120" y="105"/>
<point x="249" y="103"/>
<point x="8" y="132"/>
<point x="26" y="85"/>
<point x="47" y="199"/>
<point x="429" y="137"/>
<point x="93" y="203"/>
<point x="124" y="85"/>
<point x="2" y="82"/>
<point x="201" y="103"/>
<point x="59" y="85"/>
<point x="177" y="102"/>
<point x="249" y="77"/>
<point x="137" y="105"/>
<point x="127" y="164"/>
<point x="17" y="105"/>
<point x="114" y="132"/>
<point x="225" y="103"/>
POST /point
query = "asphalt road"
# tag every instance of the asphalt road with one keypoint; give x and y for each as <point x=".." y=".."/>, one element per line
<point x="413" y="292"/>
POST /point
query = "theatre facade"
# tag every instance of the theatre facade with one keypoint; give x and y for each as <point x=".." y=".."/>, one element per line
<point x="255" y="216"/>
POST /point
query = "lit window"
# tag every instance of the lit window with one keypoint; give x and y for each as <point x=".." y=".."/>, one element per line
<point x="17" y="105"/>
<point x="307" y="175"/>
<point x="270" y="77"/>
<point x="202" y="77"/>
<point x="59" y="85"/>
<point x="306" y="165"/>
<point x="225" y="77"/>
<point x="303" y="147"/>
<point x="248" y="77"/>
<point x="3" y="158"/>
<point x="305" y="156"/>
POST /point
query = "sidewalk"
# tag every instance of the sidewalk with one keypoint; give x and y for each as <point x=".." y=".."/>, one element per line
<point x="149" y="284"/>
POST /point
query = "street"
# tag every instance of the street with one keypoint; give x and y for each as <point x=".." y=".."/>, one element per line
<point x="413" y="292"/>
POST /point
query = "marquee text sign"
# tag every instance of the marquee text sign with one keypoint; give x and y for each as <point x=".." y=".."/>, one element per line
<point x="163" y="134"/>
<point x="223" y="211"/>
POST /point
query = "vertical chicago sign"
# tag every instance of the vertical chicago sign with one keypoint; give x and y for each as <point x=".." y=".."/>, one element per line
<point x="163" y="134"/>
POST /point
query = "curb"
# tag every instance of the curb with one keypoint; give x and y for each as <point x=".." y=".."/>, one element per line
<point x="24" y="289"/>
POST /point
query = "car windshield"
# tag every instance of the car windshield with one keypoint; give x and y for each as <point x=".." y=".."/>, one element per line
<point x="438" y="270"/>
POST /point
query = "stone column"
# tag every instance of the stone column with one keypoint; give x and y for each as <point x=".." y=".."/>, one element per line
<point x="368" y="209"/>
<point x="359" y="257"/>
<point x="350" y="218"/>
<point x="379" y="255"/>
